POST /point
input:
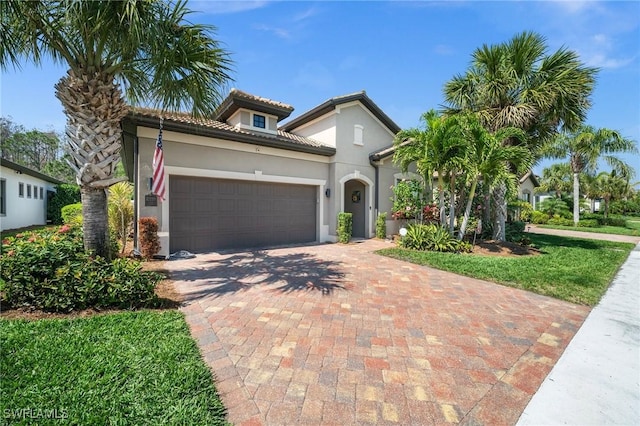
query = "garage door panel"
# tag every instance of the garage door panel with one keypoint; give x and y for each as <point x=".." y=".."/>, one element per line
<point x="211" y="214"/>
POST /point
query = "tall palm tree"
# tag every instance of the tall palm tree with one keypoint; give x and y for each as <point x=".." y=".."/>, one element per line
<point x="143" y="50"/>
<point x="434" y="148"/>
<point x="556" y="178"/>
<point x="517" y="84"/>
<point x="585" y="147"/>
<point x="488" y="159"/>
<point x="609" y="187"/>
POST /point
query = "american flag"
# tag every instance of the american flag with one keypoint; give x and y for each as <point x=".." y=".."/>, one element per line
<point x="157" y="186"/>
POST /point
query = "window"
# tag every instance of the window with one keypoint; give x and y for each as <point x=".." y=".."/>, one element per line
<point x="358" y="135"/>
<point x="3" y="196"/>
<point x="28" y="191"/>
<point x="259" y="121"/>
<point x="21" y="190"/>
<point x="41" y="193"/>
<point x="35" y="192"/>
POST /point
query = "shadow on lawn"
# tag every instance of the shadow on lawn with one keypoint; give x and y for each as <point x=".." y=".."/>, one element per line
<point x="282" y="273"/>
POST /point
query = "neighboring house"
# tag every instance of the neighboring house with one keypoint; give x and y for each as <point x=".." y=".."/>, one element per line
<point x="238" y="180"/>
<point x="23" y="196"/>
<point x="526" y="189"/>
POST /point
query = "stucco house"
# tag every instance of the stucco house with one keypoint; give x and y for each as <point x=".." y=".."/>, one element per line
<point x="240" y="179"/>
<point x="526" y="188"/>
<point x="23" y="195"/>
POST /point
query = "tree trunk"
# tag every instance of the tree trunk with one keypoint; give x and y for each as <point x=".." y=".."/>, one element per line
<point x="500" y="201"/>
<point x="95" y="222"/>
<point x="94" y="107"/>
<point x="452" y="203"/>
<point x="576" y="199"/>
<point x="467" y="210"/>
<point x="443" y="216"/>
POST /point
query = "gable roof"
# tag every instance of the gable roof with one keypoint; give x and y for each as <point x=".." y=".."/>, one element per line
<point x="238" y="99"/>
<point x="533" y="177"/>
<point x="331" y="105"/>
<point x="27" y="171"/>
<point x="186" y="123"/>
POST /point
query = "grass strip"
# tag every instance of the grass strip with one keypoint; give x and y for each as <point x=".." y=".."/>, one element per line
<point x="571" y="269"/>
<point x="132" y="368"/>
<point x="632" y="229"/>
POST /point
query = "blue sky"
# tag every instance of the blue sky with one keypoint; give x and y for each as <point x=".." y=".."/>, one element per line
<point x="402" y="53"/>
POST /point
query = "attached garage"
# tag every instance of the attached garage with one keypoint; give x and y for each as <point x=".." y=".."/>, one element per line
<point x="212" y="214"/>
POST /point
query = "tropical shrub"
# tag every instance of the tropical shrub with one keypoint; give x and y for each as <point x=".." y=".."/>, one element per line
<point x="381" y="225"/>
<point x="539" y="217"/>
<point x="121" y="211"/>
<point x="613" y="221"/>
<point x="49" y="270"/>
<point x="555" y="206"/>
<point x="431" y="237"/>
<point x="65" y="194"/>
<point x="72" y="214"/>
<point x="345" y="227"/>
<point x="559" y="220"/>
<point x="430" y="213"/>
<point x="521" y="210"/>
<point x="514" y="231"/>
<point x="149" y="241"/>
<point x="407" y="199"/>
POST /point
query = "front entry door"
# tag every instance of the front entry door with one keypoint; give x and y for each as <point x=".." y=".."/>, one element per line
<point x="355" y="203"/>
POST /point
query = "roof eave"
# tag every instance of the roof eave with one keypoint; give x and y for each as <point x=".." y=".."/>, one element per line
<point x="199" y="130"/>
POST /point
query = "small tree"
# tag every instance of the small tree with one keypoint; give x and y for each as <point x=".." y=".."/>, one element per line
<point x="121" y="210"/>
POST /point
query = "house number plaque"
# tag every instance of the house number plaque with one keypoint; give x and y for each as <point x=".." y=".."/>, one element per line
<point x="150" y="200"/>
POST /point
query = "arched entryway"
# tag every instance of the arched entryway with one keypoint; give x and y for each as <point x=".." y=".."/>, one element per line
<point x="355" y="202"/>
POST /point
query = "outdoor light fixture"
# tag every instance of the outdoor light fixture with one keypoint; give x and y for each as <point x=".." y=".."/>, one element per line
<point x="327" y="192"/>
<point x="403" y="232"/>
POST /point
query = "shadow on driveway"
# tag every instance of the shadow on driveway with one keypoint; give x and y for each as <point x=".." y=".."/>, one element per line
<point x="215" y="274"/>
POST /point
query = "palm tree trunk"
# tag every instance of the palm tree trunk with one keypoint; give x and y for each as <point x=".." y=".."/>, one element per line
<point x="576" y="199"/>
<point x="467" y="210"/>
<point x="452" y="203"/>
<point x="94" y="107"/>
<point x="500" y="200"/>
<point x="443" y="216"/>
<point x="95" y="227"/>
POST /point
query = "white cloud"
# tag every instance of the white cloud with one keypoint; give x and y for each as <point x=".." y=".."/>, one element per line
<point x="280" y="32"/>
<point x="225" y="6"/>
<point x="305" y="14"/>
<point x="573" y="6"/>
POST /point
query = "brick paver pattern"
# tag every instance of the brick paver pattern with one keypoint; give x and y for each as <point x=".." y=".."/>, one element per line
<point x="337" y="335"/>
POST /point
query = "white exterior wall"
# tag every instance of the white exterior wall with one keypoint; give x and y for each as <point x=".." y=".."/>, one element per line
<point x="23" y="211"/>
<point x="527" y="187"/>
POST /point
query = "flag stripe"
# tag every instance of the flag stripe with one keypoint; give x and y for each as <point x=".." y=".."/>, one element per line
<point x="158" y="186"/>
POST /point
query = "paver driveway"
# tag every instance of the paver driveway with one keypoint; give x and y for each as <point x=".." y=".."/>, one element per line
<point x="335" y="334"/>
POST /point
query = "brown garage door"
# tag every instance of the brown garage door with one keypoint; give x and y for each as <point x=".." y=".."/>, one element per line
<point x="212" y="214"/>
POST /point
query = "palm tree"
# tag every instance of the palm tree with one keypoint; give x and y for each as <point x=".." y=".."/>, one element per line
<point x="434" y="148"/>
<point x="585" y="147"/>
<point x="487" y="158"/>
<point x="609" y="187"/>
<point x="517" y="84"/>
<point x="556" y="178"/>
<point x="144" y="50"/>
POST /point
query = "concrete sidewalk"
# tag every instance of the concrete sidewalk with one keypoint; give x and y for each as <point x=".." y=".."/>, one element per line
<point x="579" y="234"/>
<point x="597" y="379"/>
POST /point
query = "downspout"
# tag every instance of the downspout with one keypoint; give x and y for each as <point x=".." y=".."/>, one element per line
<point x="377" y="181"/>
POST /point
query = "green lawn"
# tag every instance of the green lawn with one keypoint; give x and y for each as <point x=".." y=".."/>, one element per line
<point x="131" y="368"/>
<point x="571" y="269"/>
<point x="632" y="229"/>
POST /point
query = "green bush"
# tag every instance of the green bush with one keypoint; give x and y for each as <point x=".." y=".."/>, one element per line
<point x="72" y="214"/>
<point x="614" y="221"/>
<point x="345" y="227"/>
<point x="514" y="231"/>
<point x="559" y="220"/>
<point x="431" y="237"/>
<point x="555" y="206"/>
<point x="49" y="270"/>
<point x="588" y="223"/>
<point x="65" y="194"/>
<point x="539" y="217"/>
<point x="381" y="225"/>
